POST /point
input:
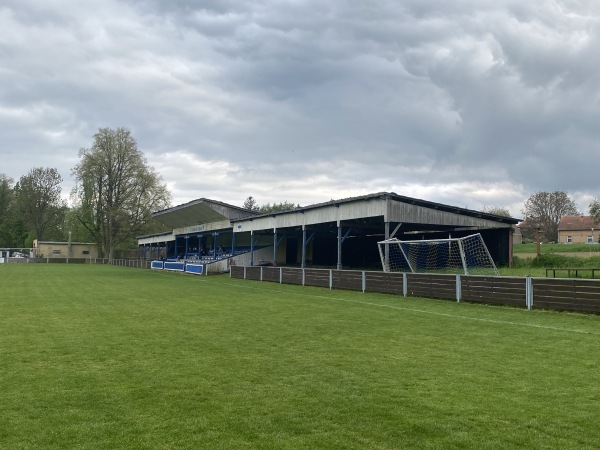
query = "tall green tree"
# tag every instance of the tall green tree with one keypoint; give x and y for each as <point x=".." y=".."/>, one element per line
<point x="38" y="200"/>
<point x="6" y="203"/>
<point x="543" y="210"/>
<point x="595" y="209"/>
<point x="277" y="207"/>
<point x="74" y="229"/>
<point x="497" y="210"/>
<point x="116" y="190"/>
<point x="251" y="205"/>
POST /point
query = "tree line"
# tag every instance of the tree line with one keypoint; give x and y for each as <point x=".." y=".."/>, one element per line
<point x="112" y="202"/>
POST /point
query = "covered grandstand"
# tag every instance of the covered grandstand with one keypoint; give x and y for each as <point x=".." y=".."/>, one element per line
<point x="337" y="234"/>
<point x="201" y="231"/>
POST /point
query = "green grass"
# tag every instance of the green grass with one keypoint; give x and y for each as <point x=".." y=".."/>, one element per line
<point x="95" y="357"/>
<point x="556" y="248"/>
<point x="556" y="256"/>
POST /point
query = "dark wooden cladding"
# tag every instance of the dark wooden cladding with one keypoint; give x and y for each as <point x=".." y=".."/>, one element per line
<point x="386" y="283"/>
<point x="347" y="279"/>
<point x="316" y="277"/>
<point x="567" y="295"/>
<point x="271" y="274"/>
<point x="253" y="273"/>
<point x="498" y="290"/>
<point x="560" y="294"/>
<point x="291" y="276"/>
<point x="432" y="286"/>
<point x="237" y="272"/>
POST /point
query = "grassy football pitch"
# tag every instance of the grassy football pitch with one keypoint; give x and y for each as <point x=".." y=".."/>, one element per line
<point x="96" y="357"/>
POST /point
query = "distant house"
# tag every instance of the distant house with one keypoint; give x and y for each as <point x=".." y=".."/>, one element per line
<point x="526" y="230"/>
<point x="578" y="230"/>
<point x="517" y="235"/>
<point x="53" y="249"/>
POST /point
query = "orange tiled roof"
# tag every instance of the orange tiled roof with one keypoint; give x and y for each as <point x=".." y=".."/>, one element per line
<point x="574" y="223"/>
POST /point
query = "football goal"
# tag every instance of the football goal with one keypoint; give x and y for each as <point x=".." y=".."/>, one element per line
<point x="467" y="255"/>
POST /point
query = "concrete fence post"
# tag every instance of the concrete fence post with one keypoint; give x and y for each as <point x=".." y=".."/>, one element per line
<point x="458" y="289"/>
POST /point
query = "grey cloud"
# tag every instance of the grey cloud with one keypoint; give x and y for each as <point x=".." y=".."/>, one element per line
<point x="416" y="93"/>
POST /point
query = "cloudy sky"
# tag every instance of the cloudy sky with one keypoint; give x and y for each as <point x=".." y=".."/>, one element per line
<point x="473" y="103"/>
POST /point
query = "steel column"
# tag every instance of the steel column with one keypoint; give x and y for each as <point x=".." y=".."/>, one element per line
<point x="252" y="248"/>
<point x="303" y="265"/>
<point x="274" y="247"/>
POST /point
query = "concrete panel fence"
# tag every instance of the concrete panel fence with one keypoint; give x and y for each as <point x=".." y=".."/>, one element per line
<point x="559" y="294"/>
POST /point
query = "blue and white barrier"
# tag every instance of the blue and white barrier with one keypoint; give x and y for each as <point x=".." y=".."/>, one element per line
<point x="179" y="266"/>
<point x="176" y="266"/>
<point x="197" y="269"/>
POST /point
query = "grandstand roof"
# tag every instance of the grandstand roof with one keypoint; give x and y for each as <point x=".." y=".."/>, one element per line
<point x="200" y="211"/>
<point x="477" y="216"/>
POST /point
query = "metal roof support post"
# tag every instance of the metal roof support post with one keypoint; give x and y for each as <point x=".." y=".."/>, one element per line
<point x="215" y="238"/>
<point x="339" y="246"/>
<point x="274" y="247"/>
<point x="187" y="238"/>
<point x="387" y="246"/>
<point x="232" y="243"/>
<point x="252" y="248"/>
<point x="303" y="264"/>
<point x="158" y="250"/>
<point x="200" y="246"/>
<point x="341" y="240"/>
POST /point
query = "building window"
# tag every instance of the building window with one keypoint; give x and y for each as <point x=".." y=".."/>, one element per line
<point x="590" y="240"/>
<point x="56" y="252"/>
<point x="85" y="252"/>
<point x="569" y="239"/>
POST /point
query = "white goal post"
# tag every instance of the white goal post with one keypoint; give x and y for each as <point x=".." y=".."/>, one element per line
<point x="467" y="255"/>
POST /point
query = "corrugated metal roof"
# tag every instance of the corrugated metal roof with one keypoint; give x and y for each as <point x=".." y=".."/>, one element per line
<point x="197" y="212"/>
<point x="403" y="199"/>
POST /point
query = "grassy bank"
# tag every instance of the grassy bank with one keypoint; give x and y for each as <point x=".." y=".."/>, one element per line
<point x="527" y="263"/>
<point x="556" y="248"/>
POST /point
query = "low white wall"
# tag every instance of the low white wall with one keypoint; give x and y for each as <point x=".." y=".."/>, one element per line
<point x="263" y="254"/>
